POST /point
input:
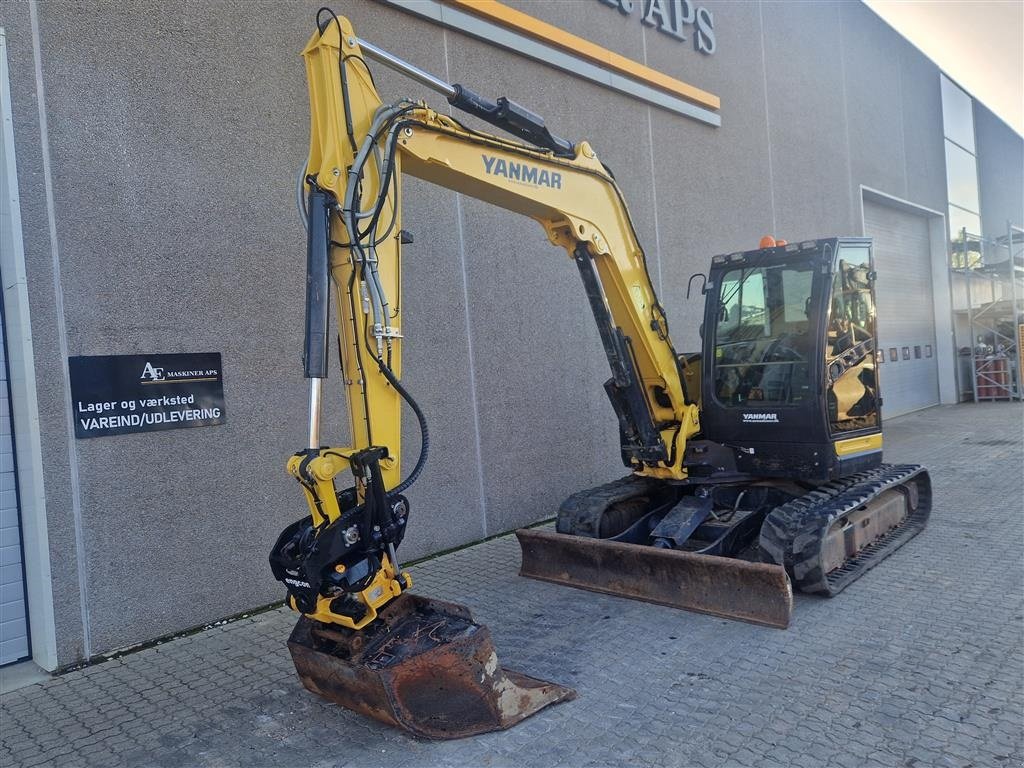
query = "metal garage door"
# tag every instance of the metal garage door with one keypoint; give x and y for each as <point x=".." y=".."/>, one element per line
<point x="13" y="617"/>
<point x="909" y="373"/>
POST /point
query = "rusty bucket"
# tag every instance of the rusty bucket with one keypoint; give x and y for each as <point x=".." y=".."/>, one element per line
<point x="424" y="666"/>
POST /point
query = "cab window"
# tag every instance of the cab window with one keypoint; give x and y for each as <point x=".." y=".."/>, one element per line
<point x="763" y="336"/>
<point x="851" y="378"/>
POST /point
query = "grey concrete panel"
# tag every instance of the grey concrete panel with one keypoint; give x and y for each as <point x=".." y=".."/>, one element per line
<point x="547" y="429"/>
<point x="874" y="99"/>
<point x="807" y="121"/>
<point x="1000" y="172"/>
<point x="189" y="243"/>
<point x="602" y="25"/>
<point x="923" y="148"/>
<point x="446" y="502"/>
<point x="714" y="190"/>
<point x="49" y="365"/>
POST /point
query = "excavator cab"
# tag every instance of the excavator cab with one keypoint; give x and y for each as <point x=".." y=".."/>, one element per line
<point x="789" y="359"/>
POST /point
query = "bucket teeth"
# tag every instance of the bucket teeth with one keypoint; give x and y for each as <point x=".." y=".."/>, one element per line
<point x="425" y="666"/>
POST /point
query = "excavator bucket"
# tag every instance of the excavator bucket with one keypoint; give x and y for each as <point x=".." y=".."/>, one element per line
<point x="424" y="666"/>
<point x="759" y="593"/>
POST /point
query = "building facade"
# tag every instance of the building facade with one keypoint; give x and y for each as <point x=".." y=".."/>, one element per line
<point x="149" y="155"/>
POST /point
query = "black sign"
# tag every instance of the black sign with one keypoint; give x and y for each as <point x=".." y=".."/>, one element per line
<point x="120" y="394"/>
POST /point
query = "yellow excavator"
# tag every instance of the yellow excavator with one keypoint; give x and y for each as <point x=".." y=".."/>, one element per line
<point x="754" y="465"/>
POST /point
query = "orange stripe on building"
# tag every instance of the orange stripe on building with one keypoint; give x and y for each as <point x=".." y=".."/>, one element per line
<point x="548" y="33"/>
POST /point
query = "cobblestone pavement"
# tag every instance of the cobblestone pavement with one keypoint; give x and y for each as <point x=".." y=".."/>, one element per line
<point x="918" y="664"/>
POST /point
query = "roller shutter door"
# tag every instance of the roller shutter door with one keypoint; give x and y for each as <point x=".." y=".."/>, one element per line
<point x="13" y="616"/>
<point x="906" y="310"/>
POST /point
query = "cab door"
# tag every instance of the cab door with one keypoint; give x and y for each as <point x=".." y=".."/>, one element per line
<point x="851" y="378"/>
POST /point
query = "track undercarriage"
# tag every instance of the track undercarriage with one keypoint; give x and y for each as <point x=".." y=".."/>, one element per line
<point x="734" y="549"/>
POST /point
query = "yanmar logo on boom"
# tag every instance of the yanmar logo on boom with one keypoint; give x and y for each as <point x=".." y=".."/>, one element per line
<point x="522" y="172"/>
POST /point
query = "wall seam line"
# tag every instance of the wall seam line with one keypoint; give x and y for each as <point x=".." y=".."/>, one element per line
<point x="471" y="357"/>
<point x="903" y="132"/>
<point x="767" y="119"/>
<point x="654" y="198"/>
<point x="846" y="126"/>
<point x="654" y="185"/>
<point x="62" y="335"/>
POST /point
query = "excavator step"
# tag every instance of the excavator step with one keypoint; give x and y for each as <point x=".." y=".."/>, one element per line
<point x="759" y="593"/>
<point x="424" y="666"/>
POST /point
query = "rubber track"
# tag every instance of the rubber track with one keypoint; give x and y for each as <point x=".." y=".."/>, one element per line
<point x="793" y="533"/>
<point x="580" y="514"/>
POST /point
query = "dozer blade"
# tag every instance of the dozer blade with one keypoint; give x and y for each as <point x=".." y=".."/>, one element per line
<point x="424" y="666"/>
<point x="735" y="589"/>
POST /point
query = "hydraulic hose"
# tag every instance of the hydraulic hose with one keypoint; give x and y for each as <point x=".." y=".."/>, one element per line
<point x="351" y="215"/>
<point x="300" y="195"/>
<point x="424" y="433"/>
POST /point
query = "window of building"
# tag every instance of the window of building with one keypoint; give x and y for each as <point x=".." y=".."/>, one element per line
<point x="957" y="115"/>
<point x="959" y="220"/>
<point x="961" y="176"/>
<point x="966" y="250"/>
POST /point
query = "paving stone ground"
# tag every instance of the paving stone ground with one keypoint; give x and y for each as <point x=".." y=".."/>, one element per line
<point x="920" y="663"/>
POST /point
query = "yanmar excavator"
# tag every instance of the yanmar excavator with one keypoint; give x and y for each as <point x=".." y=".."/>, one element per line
<point x="754" y="465"/>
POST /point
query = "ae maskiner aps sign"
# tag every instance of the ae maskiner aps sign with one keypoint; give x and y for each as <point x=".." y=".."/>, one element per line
<point x="675" y="18"/>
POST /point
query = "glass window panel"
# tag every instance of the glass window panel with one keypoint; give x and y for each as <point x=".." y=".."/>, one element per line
<point x="762" y="336"/>
<point x="961" y="177"/>
<point x="852" y="396"/>
<point x="796" y="290"/>
<point x="957" y="115"/>
<point x="959" y="219"/>
<point x="969" y="256"/>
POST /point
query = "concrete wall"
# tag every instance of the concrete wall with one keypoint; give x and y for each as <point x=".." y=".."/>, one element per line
<point x="1000" y="163"/>
<point x="174" y="132"/>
